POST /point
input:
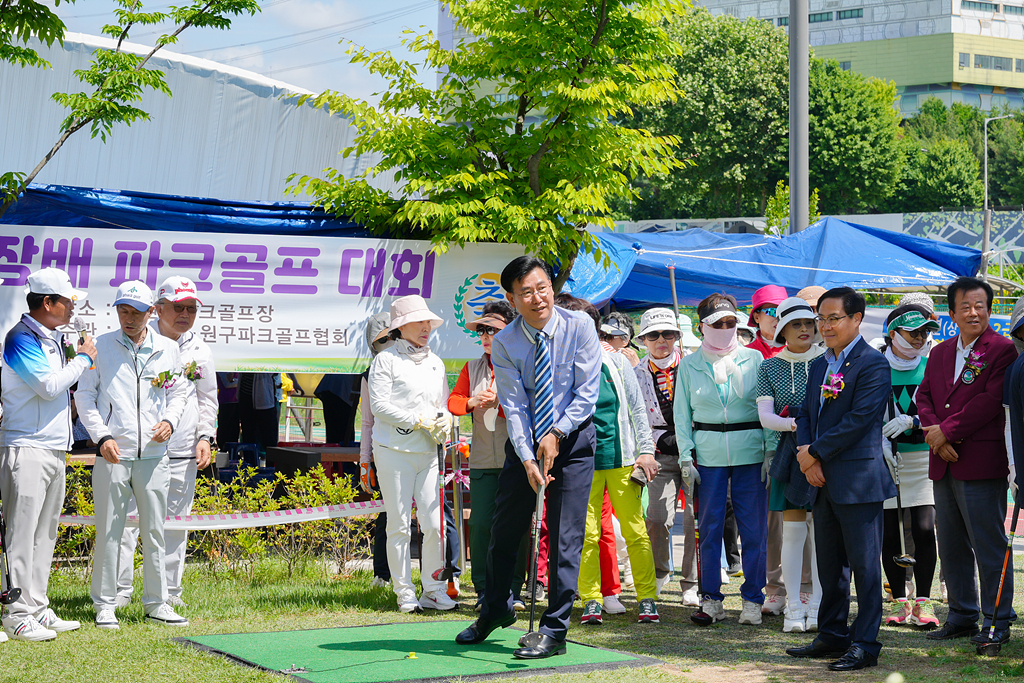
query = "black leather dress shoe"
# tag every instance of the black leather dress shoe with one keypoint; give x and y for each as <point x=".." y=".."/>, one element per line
<point x="1001" y="636"/>
<point x="546" y="647"/>
<point x="853" y="659"/>
<point x="949" y="631"/>
<point x="481" y="628"/>
<point x="816" y="649"/>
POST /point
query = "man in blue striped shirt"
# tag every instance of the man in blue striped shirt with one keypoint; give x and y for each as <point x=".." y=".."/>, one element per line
<point x="547" y="366"/>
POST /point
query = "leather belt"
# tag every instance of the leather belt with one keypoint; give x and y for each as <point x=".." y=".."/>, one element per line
<point x="734" y="427"/>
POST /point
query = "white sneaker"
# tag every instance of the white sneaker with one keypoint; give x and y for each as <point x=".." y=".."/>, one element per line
<point x="165" y="615"/>
<point x="751" y="613"/>
<point x="612" y="605"/>
<point x="122" y="601"/>
<point x="176" y="601"/>
<point x="725" y="576"/>
<point x="380" y="583"/>
<point x="660" y="583"/>
<point x="54" y="623"/>
<point x="437" y="600"/>
<point x="3" y="636"/>
<point x="713" y="608"/>
<point x="811" y="621"/>
<point x="31" y="630"/>
<point x="794" y="621"/>
<point x="407" y="602"/>
<point x="773" y="604"/>
<point x="690" y="597"/>
<point x="105" y="619"/>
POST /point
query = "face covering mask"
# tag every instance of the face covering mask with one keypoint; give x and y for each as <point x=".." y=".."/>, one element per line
<point x="906" y="347"/>
<point x="719" y="342"/>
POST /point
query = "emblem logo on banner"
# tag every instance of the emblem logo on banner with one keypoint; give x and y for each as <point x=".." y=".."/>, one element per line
<point x="473" y="295"/>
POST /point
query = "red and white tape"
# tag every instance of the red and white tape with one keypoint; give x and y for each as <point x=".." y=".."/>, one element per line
<point x="247" y="520"/>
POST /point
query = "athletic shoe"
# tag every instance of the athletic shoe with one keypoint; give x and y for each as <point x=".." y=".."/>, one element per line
<point x="407" y="602"/>
<point x="942" y="591"/>
<point x="648" y="613"/>
<point x="479" y="602"/>
<point x="811" y="622"/>
<point x="612" y="605"/>
<point x="795" y="620"/>
<point x="378" y="582"/>
<point x="773" y="605"/>
<point x="690" y="598"/>
<point x="725" y="576"/>
<point x="713" y="608"/>
<point x="923" y="614"/>
<point x="437" y="600"/>
<point x="539" y="592"/>
<point x="751" y="613"/>
<point x="592" y="614"/>
<point x="105" y="619"/>
<point x="627" y="582"/>
<point x="176" y="601"/>
<point x="735" y="570"/>
<point x="122" y="601"/>
<point x="54" y="623"/>
<point x="31" y="630"/>
<point x="660" y="583"/>
<point x="518" y="605"/>
<point x="899" y="611"/>
<point x="3" y="636"/>
<point x="166" y="616"/>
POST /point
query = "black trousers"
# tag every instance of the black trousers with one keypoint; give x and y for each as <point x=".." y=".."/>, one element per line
<point x="567" y="499"/>
<point x="339" y="419"/>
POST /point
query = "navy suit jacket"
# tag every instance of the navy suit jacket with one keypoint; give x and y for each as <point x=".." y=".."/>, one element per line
<point x="847" y="433"/>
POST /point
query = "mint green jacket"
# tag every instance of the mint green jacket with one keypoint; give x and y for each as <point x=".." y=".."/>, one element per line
<point x="697" y="399"/>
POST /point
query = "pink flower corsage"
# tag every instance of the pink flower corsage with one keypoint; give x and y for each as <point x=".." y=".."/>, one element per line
<point x="193" y="372"/>
<point x="165" y="380"/>
<point x="834" y="387"/>
<point x="972" y="367"/>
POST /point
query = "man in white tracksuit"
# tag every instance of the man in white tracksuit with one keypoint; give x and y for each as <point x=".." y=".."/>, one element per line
<point x="188" y="449"/>
<point x="38" y="370"/>
<point x="131" y="402"/>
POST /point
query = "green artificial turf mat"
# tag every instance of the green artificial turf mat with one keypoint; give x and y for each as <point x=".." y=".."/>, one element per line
<point x="381" y="653"/>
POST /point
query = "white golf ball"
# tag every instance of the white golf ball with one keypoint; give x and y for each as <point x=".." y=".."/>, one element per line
<point x="894" y="677"/>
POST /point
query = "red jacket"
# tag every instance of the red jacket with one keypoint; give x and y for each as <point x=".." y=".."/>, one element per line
<point x="761" y="346"/>
<point x="971" y="415"/>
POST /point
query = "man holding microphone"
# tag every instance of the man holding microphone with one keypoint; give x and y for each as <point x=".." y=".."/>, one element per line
<point x="189" y="448"/>
<point x="39" y="368"/>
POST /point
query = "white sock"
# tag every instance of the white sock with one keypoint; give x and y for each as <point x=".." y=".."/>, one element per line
<point x="815" y="583"/>
<point x="794" y="534"/>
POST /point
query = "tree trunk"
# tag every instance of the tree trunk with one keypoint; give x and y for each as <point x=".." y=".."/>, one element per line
<point x="563" y="274"/>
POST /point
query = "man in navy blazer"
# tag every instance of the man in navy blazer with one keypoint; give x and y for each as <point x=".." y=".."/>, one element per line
<point x="839" y="430"/>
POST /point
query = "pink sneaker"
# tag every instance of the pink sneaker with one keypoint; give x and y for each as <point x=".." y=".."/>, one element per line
<point x="923" y="614"/>
<point x="900" y="610"/>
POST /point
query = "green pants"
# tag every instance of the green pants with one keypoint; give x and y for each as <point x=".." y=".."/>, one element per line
<point x="483" y="490"/>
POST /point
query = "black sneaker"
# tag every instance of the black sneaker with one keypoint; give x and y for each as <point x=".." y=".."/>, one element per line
<point x="949" y="631"/>
<point x="592" y="614"/>
<point x="648" y="612"/>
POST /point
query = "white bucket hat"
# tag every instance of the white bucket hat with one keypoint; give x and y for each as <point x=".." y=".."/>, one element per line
<point x="53" y="281"/>
<point x="656" y="320"/>
<point x="412" y="309"/>
<point x="136" y="294"/>
<point x="793" y="308"/>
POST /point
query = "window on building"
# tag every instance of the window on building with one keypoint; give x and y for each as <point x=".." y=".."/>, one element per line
<point x="783" y="21"/>
<point x="818" y="17"/>
<point x="993" y="63"/>
<point x="979" y="6"/>
<point x="965" y="60"/>
<point x="1020" y="66"/>
<point x="1011" y="9"/>
<point x="845" y="66"/>
<point x="850" y="14"/>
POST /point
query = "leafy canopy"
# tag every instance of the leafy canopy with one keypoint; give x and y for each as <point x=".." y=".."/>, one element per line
<point x="531" y="164"/>
<point x="22" y="21"/>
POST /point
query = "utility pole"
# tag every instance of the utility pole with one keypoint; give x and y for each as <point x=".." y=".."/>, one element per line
<point x="799" y="148"/>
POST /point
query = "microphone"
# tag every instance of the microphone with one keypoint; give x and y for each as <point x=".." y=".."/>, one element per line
<point x="80" y="328"/>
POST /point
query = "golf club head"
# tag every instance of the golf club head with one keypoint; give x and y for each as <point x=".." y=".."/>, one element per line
<point x="904" y="561"/>
<point x="10" y="596"/>
<point x="701" y="618"/>
<point x="989" y="649"/>
<point x="531" y="639"/>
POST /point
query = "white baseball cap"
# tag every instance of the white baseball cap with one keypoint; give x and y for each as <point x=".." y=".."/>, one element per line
<point x="135" y="293"/>
<point x="177" y="288"/>
<point x="54" y="281"/>
<point x="656" y="320"/>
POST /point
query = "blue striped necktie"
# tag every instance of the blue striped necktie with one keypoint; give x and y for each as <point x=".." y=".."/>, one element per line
<point x="544" y="406"/>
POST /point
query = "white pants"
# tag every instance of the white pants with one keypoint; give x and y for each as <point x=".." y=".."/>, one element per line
<point x="32" y="487"/>
<point x="112" y="489"/>
<point x="181" y="492"/>
<point x="403" y="476"/>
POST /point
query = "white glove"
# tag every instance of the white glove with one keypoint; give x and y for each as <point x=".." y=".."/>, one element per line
<point x="897" y="426"/>
<point x="894" y="461"/>
<point x="689" y="473"/>
<point x="440" y="429"/>
<point x="765" y="466"/>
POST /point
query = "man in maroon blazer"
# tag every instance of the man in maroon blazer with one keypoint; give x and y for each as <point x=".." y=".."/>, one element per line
<point x="960" y="407"/>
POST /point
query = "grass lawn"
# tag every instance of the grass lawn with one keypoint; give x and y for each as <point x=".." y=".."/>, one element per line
<point x="722" y="653"/>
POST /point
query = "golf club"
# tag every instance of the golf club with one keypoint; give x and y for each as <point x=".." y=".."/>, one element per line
<point x="532" y="638"/>
<point x="672" y="282"/>
<point x="700" y="617"/>
<point x="903" y="559"/>
<point x="447" y="571"/>
<point x="992" y="648"/>
<point x="12" y="594"/>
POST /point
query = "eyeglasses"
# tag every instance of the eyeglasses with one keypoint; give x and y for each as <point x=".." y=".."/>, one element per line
<point x="605" y="336"/>
<point x="486" y="331"/>
<point x="668" y="335"/>
<point x="830" y="321"/>
<point x="801" y="323"/>
<point x="917" y="334"/>
<point x="527" y="294"/>
<point x="181" y="308"/>
<point x="724" y="324"/>
<point x="772" y="312"/>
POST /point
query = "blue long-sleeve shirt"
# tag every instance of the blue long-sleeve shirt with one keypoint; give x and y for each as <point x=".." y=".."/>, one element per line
<point x="576" y="372"/>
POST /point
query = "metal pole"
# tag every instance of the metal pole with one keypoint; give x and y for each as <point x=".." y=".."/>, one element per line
<point x="986" y="229"/>
<point x="799" y="148"/>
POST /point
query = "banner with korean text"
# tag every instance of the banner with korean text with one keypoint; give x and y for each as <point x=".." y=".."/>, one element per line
<point x="269" y="303"/>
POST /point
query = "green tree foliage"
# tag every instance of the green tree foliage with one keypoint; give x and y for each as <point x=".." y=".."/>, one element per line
<point x="777" y="211"/>
<point x="22" y="21"/>
<point x="532" y="166"/>
<point x="854" y="151"/>
<point x="944" y="174"/>
<point x="119" y="79"/>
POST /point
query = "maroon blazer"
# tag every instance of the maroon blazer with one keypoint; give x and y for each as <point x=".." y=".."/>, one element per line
<point x="971" y="415"/>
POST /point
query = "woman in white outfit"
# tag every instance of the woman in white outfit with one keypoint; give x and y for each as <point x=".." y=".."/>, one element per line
<point x="408" y="398"/>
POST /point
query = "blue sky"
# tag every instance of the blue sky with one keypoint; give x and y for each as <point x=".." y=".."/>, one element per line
<point x="295" y="41"/>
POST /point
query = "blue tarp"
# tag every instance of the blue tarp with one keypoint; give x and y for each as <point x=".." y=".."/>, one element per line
<point x="92" y="208"/>
<point x="830" y="253"/>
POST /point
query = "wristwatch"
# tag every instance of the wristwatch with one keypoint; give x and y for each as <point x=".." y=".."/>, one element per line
<point x="559" y="434"/>
<point x="208" y="439"/>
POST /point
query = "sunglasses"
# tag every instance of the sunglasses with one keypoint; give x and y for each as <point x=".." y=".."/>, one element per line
<point x="486" y="330"/>
<point x="668" y="335"/>
<point x="772" y="312"/>
<point x="917" y="334"/>
<point x="724" y="324"/>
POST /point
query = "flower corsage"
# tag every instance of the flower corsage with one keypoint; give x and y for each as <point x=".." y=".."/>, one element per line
<point x="972" y="367"/>
<point x="193" y="372"/>
<point x="833" y="387"/>
<point x="165" y="380"/>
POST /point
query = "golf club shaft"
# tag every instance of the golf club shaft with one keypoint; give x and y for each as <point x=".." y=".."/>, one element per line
<point x="535" y="550"/>
<point x="7" y="565"/>
<point x="672" y="283"/>
<point x="1002" y="574"/>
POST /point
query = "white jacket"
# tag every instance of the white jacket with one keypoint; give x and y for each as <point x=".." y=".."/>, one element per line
<point x="401" y="393"/>
<point x="35" y="379"/>
<point x="634" y="429"/>
<point x="117" y="398"/>
<point x="199" y="418"/>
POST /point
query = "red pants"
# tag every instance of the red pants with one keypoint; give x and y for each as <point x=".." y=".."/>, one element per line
<point x="610" y="584"/>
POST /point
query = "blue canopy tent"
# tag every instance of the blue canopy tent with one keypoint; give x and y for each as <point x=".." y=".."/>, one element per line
<point x="830" y="253"/>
